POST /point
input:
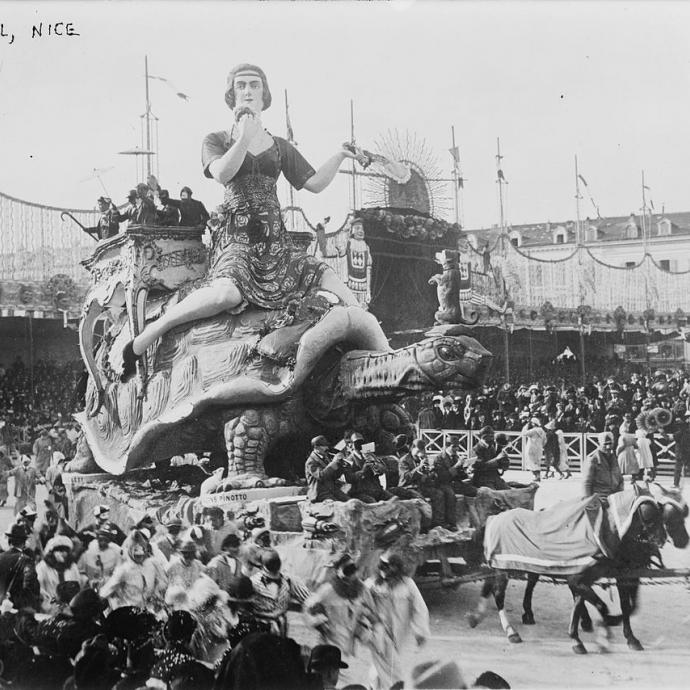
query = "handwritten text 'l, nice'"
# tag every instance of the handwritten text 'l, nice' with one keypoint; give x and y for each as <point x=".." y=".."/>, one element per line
<point x="40" y="30"/>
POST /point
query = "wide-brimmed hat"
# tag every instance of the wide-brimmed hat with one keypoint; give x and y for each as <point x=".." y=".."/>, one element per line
<point x="326" y="656"/>
<point x="28" y="512"/>
<point x="17" y="533"/>
<point x="486" y="431"/>
<point x="59" y="542"/>
<point x="441" y="673"/>
<point x="130" y="623"/>
<point x="87" y="603"/>
<point x="101" y="510"/>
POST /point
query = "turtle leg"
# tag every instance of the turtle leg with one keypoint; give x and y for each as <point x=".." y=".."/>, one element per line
<point x="247" y="438"/>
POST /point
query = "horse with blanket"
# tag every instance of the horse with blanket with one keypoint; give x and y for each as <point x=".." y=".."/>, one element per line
<point x="581" y="541"/>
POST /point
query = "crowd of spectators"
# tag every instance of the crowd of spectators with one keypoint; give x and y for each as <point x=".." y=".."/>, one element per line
<point x="38" y="398"/>
<point x="603" y="401"/>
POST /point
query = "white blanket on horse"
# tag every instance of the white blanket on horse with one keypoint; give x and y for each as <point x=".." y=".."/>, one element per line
<point x="564" y="539"/>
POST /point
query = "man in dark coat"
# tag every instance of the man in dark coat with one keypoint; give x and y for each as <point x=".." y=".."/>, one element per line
<point x="18" y="579"/>
<point x="193" y="213"/>
<point x="489" y="461"/>
<point x="682" y="450"/>
<point x="322" y="473"/>
<point x="362" y="471"/>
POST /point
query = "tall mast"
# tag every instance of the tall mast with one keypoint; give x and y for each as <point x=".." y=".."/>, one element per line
<point x="147" y="117"/>
<point x="456" y="184"/>
<point x="578" y="196"/>
<point x="289" y="137"/>
<point x="500" y="181"/>
<point x="644" y="216"/>
<point x="352" y="141"/>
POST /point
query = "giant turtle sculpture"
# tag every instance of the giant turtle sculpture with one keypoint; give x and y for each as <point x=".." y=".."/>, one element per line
<point x="259" y="383"/>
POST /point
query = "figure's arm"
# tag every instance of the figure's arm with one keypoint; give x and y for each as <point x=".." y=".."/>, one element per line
<point x="589" y="477"/>
<point x="224" y="168"/>
<point x="325" y="174"/>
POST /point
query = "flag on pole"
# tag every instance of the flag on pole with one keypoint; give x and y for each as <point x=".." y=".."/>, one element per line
<point x="178" y="93"/>
<point x="455" y="153"/>
<point x="290" y="136"/>
<point x="582" y="179"/>
<point x="461" y="182"/>
<point x="501" y="176"/>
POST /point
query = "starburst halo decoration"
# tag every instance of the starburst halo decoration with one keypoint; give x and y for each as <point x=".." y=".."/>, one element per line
<point x="425" y="191"/>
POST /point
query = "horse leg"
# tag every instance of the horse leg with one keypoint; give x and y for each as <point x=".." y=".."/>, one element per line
<point x="474" y="618"/>
<point x="573" y="630"/>
<point x="586" y="624"/>
<point x="500" y="598"/>
<point x="628" y="596"/>
<point x="527" y="613"/>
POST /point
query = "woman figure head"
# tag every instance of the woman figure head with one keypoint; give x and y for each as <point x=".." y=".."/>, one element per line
<point x="247" y="87"/>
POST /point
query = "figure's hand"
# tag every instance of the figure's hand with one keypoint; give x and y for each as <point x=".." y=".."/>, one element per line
<point x="248" y="126"/>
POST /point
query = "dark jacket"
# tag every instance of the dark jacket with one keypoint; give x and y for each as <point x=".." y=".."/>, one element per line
<point x="322" y="474"/>
<point x="18" y="579"/>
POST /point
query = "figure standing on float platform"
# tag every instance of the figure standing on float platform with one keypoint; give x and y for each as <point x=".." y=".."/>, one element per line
<point x="251" y="259"/>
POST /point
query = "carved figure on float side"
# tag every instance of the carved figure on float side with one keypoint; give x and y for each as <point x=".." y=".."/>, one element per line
<point x="271" y="349"/>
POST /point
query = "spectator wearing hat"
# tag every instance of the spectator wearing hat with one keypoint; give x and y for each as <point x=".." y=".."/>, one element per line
<point x="418" y="472"/>
<point x="26" y="477"/>
<point x="322" y="473"/>
<point x="101" y="513"/>
<point x="450" y="468"/>
<point x="251" y="550"/>
<point x="401" y="618"/>
<point x="241" y="601"/>
<point x="100" y="559"/>
<point x="18" y="581"/>
<point x="57" y="566"/>
<point x="176" y="656"/>
<point x="405" y="486"/>
<point x="489" y="461"/>
<point x="342" y="610"/>
<point x="275" y="591"/>
<point x="43" y="451"/>
<point x="551" y="450"/>
<point x="362" y="472"/>
<point x="217" y="528"/>
<point x="535" y="438"/>
<point x="451" y="418"/>
<point x="682" y="450"/>
<point x="168" y="215"/>
<point x="603" y="476"/>
<point x="137" y="580"/>
<point x="167" y="542"/>
<point x="27" y="517"/>
<point x="430" y="415"/>
<point x="6" y="466"/>
<point x="227" y="565"/>
<point x="193" y="213"/>
<point x="185" y="569"/>
<point x="325" y="661"/>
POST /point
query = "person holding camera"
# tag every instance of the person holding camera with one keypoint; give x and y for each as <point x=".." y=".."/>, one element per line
<point x="322" y="473"/>
<point x="420" y="472"/>
<point x="490" y="461"/>
<point x="362" y="471"/>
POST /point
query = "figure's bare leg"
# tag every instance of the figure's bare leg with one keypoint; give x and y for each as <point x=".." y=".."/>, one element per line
<point x="202" y="303"/>
<point x="330" y="281"/>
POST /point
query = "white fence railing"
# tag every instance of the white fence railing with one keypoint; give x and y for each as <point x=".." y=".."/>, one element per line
<point x="579" y="447"/>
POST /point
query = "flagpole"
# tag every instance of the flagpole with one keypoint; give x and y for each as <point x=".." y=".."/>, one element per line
<point x="147" y="116"/>
<point x="578" y="232"/>
<point x="499" y="158"/>
<point x="506" y="338"/>
<point x="455" y="176"/>
<point x="644" y="214"/>
<point x="352" y="141"/>
<point x="289" y="136"/>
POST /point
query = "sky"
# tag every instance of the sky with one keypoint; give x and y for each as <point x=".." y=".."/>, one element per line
<point x="606" y="82"/>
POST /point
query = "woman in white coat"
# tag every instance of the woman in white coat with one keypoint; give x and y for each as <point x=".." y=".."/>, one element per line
<point x="535" y="438"/>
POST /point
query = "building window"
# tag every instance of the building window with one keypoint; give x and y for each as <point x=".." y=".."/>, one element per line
<point x="664" y="228"/>
<point x="515" y="239"/>
<point x="630" y="264"/>
<point x="665" y="264"/>
<point x="559" y="238"/>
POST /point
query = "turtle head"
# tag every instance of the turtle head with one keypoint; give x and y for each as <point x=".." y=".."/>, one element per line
<point x="450" y="362"/>
<point x="440" y="361"/>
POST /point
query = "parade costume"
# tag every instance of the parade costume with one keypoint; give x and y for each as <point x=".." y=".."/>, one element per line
<point x="250" y="246"/>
